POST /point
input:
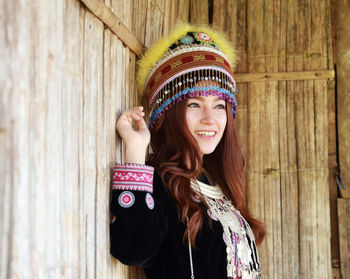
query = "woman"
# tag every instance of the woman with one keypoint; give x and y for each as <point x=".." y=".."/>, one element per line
<point x="182" y="213"/>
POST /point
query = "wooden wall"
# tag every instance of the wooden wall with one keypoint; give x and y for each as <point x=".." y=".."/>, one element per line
<point x="67" y="77"/>
<point x="285" y="127"/>
<point x="64" y="79"/>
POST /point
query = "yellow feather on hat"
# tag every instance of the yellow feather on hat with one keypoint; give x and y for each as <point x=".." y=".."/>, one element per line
<point x="157" y="50"/>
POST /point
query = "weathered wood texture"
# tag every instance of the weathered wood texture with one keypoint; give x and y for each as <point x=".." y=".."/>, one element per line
<point x="108" y="17"/>
<point x="332" y="155"/>
<point x="340" y="24"/>
<point x="343" y="90"/>
<point x="344" y="240"/>
<point x="284" y="127"/>
<point x="65" y="77"/>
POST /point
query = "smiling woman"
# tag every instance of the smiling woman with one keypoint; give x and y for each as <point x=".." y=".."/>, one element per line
<point x="181" y="213"/>
<point x="206" y="120"/>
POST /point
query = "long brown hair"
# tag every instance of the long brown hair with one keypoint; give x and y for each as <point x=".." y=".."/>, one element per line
<point x="177" y="159"/>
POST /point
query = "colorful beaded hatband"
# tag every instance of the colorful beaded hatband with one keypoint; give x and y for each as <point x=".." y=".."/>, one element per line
<point x="171" y="70"/>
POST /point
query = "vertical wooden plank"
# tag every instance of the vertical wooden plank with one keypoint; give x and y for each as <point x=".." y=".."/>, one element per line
<point x="259" y="169"/>
<point x="112" y="96"/>
<point x="199" y="11"/>
<point x="323" y="222"/>
<point x="15" y="104"/>
<point x="72" y="103"/>
<point x="344" y="240"/>
<point x="315" y="57"/>
<point x="184" y="10"/>
<point x="139" y="19"/>
<point x="153" y="26"/>
<point x="48" y="207"/>
<point x="123" y="10"/>
<point x="343" y="89"/>
<point x="93" y="57"/>
<point x="271" y="155"/>
<point x="103" y="260"/>
<point x="219" y="16"/>
<point x="240" y="24"/>
<point x="117" y="79"/>
<point x="288" y="154"/>
<point x="170" y="8"/>
<point x="289" y="180"/>
<point x="332" y="144"/>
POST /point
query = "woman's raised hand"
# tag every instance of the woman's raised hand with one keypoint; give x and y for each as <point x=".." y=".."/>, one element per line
<point x="136" y="141"/>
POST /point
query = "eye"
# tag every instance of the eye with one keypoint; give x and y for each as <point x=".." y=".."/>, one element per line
<point x="193" y="105"/>
<point x="221" y="106"/>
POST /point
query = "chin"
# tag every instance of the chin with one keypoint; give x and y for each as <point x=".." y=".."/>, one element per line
<point x="207" y="151"/>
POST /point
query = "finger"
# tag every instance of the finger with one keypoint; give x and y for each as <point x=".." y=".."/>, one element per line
<point x="130" y="114"/>
<point x="138" y="115"/>
<point x="141" y="124"/>
<point x="140" y="108"/>
<point x="137" y="109"/>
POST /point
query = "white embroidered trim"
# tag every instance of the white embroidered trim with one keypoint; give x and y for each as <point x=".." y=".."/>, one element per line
<point x="239" y="253"/>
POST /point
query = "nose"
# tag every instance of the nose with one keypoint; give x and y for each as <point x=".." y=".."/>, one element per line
<point x="207" y="116"/>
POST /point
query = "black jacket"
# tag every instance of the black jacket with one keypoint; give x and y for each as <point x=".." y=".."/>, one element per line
<point x="153" y="238"/>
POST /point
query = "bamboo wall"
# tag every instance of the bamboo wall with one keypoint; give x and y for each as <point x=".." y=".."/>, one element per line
<point x="67" y="78"/>
<point x="285" y="126"/>
<point x="64" y="79"/>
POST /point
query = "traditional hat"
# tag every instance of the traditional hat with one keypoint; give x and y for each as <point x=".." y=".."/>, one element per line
<point x="170" y="70"/>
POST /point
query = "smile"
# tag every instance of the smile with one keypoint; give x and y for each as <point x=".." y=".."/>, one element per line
<point x="206" y="133"/>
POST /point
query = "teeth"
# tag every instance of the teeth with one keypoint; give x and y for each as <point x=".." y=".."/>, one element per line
<point x="206" y="133"/>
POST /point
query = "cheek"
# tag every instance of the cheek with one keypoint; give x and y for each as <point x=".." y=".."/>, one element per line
<point x="187" y="120"/>
<point x="223" y="122"/>
<point x="190" y="119"/>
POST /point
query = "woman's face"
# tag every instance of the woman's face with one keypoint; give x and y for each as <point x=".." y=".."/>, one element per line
<point x="206" y="119"/>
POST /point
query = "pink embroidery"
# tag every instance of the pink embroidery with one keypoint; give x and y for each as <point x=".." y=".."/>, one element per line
<point x="126" y="199"/>
<point x="133" y="177"/>
<point x="149" y="201"/>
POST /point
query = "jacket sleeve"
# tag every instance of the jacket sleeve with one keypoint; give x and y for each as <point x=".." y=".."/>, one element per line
<point x="138" y="207"/>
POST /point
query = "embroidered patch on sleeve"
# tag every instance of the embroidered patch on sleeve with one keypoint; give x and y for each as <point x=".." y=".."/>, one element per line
<point x="135" y="177"/>
<point x="126" y="199"/>
<point x="149" y="201"/>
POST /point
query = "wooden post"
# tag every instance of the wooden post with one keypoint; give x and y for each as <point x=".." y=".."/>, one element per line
<point x="343" y="121"/>
<point x="343" y="91"/>
<point x="344" y="240"/>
